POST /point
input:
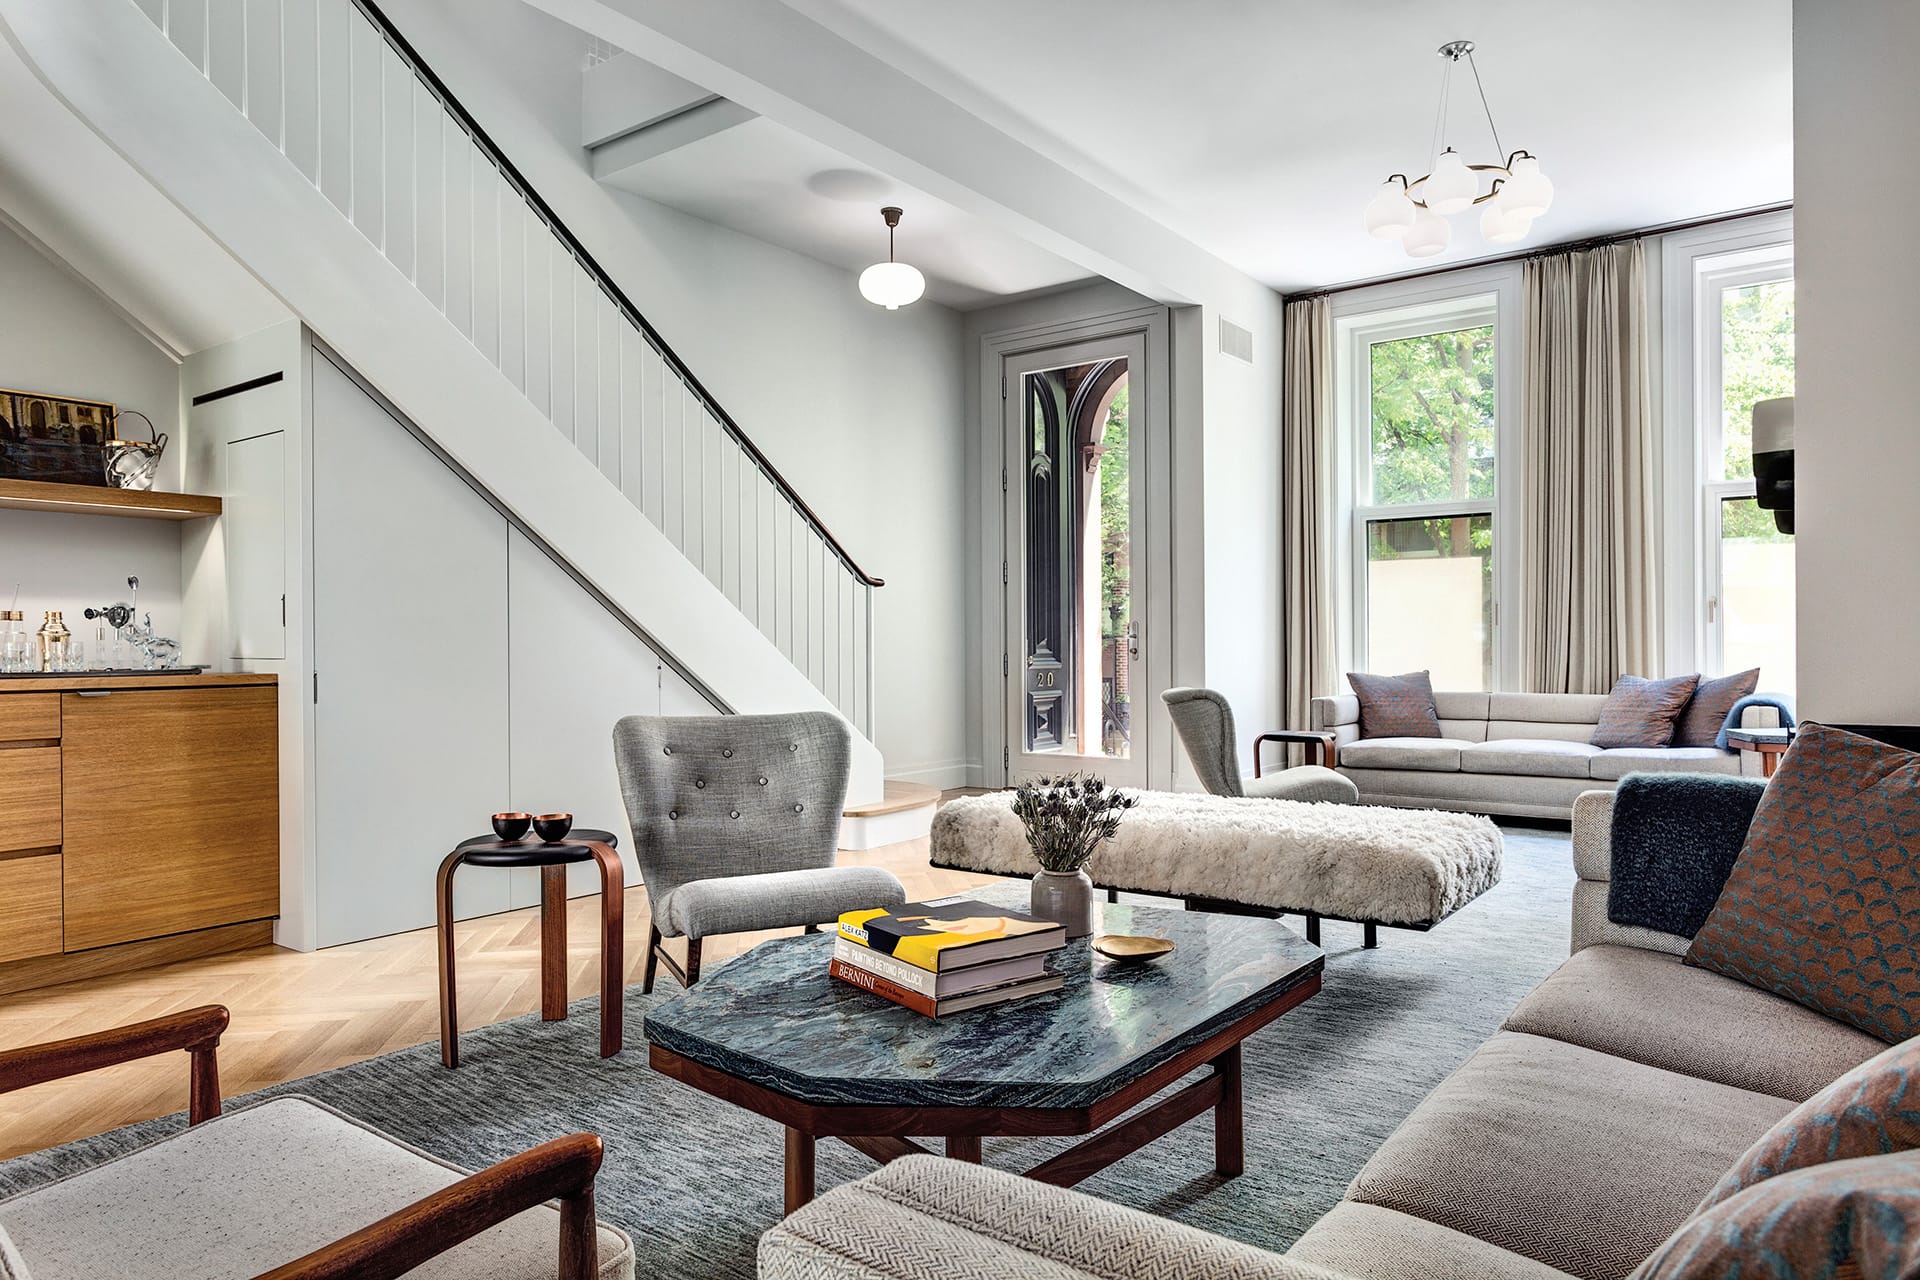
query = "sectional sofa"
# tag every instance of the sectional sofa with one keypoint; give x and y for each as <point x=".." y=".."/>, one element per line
<point x="1522" y="754"/>
<point x="1572" y="1143"/>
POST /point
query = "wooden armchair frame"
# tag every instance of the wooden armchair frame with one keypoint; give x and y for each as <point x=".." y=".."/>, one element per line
<point x="563" y="1169"/>
<point x="1322" y="747"/>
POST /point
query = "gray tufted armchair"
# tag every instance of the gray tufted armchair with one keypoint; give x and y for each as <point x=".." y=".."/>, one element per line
<point x="1205" y="723"/>
<point x="736" y="823"/>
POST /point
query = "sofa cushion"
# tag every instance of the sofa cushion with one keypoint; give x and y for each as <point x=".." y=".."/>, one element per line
<point x="1438" y="755"/>
<point x="1819" y="907"/>
<point x="1396" y="706"/>
<point x="1559" y="708"/>
<point x="1706" y="711"/>
<point x="1372" y="1243"/>
<point x="1642" y="712"/>
<point x="1575" y="1158"/>
<point x="1649" y="1007"/>
<point x="927" y="1218"/>
<point x="1851" y="1218"/>
<point x="253" y="1189"/>
<point x="1872" y="1110"/>
<point x="1540" y="757"/>
<point x="1616" y="763"/>
<point x="1675" y="838"/>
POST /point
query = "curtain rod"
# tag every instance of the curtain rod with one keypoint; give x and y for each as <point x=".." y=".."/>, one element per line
<point x="1563" y="246"/>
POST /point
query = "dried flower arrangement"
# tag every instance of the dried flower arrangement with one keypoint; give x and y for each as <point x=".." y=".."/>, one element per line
<point x="1067" y="817"/>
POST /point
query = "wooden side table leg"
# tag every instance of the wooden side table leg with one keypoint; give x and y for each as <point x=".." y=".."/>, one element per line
<point x="553" y="943"/>
<point x="800" y="1183"/>
<point x="443" y="925"/>
<point x="613" y="949"/>
<point x="964" y="1146"/>
<point x="1769" y="761"/>
<point x="1229" y="1130"/>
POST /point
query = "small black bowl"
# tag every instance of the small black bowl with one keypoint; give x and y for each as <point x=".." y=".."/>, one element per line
<point x="553" y="827"/>
<point x="511" y="826"/>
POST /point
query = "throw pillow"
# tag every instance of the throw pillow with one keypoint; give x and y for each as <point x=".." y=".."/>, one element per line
<point x="1707" y="709"/>
<point x="1675" y="839"/>
<point x="1642" y="713"/>
<point x="1396" y="706"/>
<point x="1872" y="1110"/>
<point x="1850" y="1218"/>
<point x="1819" y="906"/>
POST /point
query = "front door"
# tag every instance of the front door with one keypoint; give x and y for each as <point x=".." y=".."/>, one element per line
<point x="1075" y="490"/>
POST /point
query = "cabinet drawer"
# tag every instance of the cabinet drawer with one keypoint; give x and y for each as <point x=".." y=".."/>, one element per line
<point x="26" y="716"/>
<point x="29" y="797"/>
<point x="29" y="907"/>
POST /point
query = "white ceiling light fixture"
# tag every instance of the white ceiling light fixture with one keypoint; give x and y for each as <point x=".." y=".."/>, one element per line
<point x="1409" y="210"/>
<point x="891" y="284"/>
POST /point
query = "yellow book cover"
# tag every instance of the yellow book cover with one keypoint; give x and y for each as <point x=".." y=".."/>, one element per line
<point x="950" y="933"/>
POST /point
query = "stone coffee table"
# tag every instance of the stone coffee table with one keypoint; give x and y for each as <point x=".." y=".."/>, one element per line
<point x="771" y="1032"/>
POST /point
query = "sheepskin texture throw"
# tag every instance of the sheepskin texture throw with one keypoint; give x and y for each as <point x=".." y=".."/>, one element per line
<point x="1675" y="838"/>
<point x="1393" y="866"/>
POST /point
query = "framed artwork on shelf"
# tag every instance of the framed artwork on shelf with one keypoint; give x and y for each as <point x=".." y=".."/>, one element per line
<point x="53" y="438"/>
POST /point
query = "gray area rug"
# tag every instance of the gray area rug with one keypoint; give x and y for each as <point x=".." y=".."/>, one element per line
<point x="695" y="1181"/>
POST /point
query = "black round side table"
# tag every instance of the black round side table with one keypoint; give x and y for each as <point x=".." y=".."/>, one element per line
<point x="584" y="844"/>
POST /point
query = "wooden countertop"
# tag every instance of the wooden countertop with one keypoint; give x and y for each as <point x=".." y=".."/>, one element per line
<point x="61" y="683"/>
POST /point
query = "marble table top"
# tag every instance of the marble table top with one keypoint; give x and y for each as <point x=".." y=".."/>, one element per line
<point x="775" y="1018"/>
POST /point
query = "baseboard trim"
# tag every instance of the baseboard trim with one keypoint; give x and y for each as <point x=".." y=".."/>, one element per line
<point x="944" y="774"/>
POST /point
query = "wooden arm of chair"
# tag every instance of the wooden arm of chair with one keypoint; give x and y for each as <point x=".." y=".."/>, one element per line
<point x="197" y="1031"/>
<point x="1321" y="745"/>
<point x="562" y="1169"/>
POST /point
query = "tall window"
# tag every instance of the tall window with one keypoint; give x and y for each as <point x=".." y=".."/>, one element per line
<point x="1745" y="315"/>
<point x="1424" y="503"/>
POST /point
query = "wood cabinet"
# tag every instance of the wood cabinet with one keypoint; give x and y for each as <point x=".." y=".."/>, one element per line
<point x="133" y="809"/>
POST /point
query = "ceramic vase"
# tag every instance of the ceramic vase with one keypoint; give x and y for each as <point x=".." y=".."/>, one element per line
<point x="1066" y="896"/>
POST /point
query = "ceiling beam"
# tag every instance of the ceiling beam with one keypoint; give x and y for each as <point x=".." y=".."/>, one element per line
<point x="779" y="63"/>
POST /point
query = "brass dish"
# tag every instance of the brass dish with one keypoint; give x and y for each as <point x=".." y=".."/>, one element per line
<point x="1128" y="949"/>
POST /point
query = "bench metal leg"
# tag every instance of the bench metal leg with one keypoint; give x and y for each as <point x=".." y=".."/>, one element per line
<point x="1313" y="928"/>
<point x="1370" y="935"/>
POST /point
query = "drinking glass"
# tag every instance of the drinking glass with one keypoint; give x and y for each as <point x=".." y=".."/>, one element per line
<point x="76" y="656"/>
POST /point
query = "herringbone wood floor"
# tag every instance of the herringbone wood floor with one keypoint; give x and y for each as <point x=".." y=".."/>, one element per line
<point x="295" y="1014"/>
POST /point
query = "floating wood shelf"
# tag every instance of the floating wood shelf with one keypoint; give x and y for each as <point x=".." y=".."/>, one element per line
<point x="99" y="500"/>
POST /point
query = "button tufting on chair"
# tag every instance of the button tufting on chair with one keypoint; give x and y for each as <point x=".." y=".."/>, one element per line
<point x="799" y="808"/>
<point x="726" y="753"/>
<point x="673" y="815"/>
<point x="699" y="784"/>
<point x="666" y="751"/>
<point x="793" y="746"/>
<point x="763" y="782"/>
<point x="735" y="814"/>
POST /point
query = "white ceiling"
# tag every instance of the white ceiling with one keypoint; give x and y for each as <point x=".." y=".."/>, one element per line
<point x="772" y="183"/>
<point x="1259" y="128"/>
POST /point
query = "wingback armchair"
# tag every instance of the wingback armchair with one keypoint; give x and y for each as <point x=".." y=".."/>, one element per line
<point x="1204" y="721"/>
<point x="736" y="825"/>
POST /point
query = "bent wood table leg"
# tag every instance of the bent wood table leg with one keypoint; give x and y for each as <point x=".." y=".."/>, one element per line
<point x="443" y="922"/>
<point x="553" y="943"/>
<point x="613" y="953"/>
<point x="800" y="1180"/>
<point x="964" y="1146"/>
<point x="1229" y="1117"/>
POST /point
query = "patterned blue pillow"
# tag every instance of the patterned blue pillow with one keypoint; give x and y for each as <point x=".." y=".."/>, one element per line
<point x="1396" y="706"/>
<point x="1707" y="709"/>
<point x="1642" y="713"/>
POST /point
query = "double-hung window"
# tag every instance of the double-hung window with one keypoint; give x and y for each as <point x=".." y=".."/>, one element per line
<point x="1422" y="412"/>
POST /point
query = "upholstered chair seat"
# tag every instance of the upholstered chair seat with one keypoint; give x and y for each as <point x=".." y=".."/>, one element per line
<point x="736" y="825"/>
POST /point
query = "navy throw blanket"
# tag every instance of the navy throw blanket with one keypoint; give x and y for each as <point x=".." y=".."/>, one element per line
<point x="1778" y="701"/>
<point x="1675" y="836"/>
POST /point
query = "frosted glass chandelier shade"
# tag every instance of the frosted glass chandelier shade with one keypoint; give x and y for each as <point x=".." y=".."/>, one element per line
<point x="1390" y="213"/>
<point x="1452" y="186"/>
<point x="1528" y="193"/>
<point x="1430" y="234"/>
<point x="891" y="284"/>
<point x="1506" y="186"/>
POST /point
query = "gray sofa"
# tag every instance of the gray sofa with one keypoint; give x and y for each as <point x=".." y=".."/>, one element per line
<point x="1572" y="1143"/>
<point x="1522" y="754"/>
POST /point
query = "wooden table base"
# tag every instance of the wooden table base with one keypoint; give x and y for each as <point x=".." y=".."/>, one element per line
<point x="1113" y="1128"/>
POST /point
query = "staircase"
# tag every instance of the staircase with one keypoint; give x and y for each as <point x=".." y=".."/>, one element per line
<point x="311" y="140"/>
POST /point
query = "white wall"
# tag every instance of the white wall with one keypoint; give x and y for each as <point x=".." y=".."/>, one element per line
<point x="1857" y="428"/>
<point x="859" y="407"/>
<point x="57" y="335"/>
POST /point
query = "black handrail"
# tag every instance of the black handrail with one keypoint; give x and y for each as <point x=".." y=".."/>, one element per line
<point x="613" y="291"/>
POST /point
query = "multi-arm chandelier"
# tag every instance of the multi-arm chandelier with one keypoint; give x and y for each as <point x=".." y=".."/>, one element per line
<point x="1410" y="210"/>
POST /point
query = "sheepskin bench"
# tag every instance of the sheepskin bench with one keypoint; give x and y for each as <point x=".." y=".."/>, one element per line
<point x="1410" y="868"/>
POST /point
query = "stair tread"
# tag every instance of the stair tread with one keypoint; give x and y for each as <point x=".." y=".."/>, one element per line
<point x="899" y="797"/>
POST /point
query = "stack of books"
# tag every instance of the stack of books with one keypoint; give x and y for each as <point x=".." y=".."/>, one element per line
<point x="947" y="956"/>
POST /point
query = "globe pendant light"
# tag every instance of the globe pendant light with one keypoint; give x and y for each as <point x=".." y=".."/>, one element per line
<point x="891" y="284"/>
<point x="1411" y="209"/>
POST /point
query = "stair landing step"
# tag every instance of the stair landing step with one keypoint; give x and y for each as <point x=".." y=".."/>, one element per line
<point x="899" y="797"/>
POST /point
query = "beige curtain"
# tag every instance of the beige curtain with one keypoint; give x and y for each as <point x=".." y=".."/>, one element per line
<point x="1589" y="589"/>
<point x="1306" y="452"/>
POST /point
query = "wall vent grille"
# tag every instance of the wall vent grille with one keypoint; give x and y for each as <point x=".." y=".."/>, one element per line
<point x="1236" y="341"/>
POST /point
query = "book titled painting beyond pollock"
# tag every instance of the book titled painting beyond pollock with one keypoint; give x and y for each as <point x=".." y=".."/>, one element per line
<point x="951" y="933"/>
